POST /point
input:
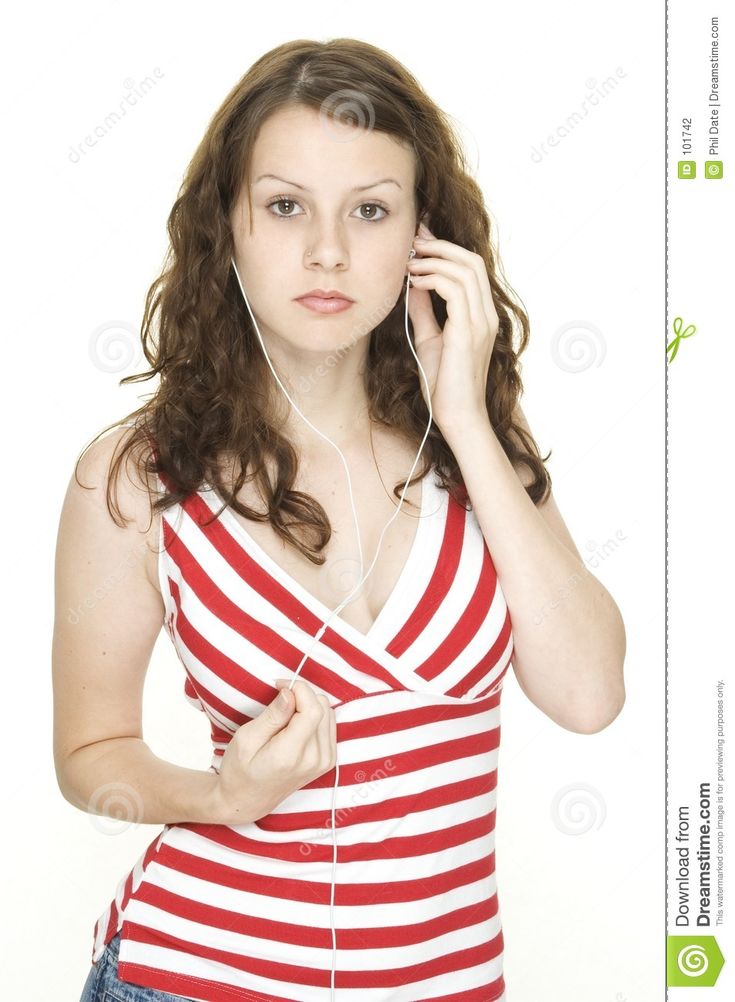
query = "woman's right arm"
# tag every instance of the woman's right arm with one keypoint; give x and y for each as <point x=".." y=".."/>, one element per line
<point x="108" y="615"/>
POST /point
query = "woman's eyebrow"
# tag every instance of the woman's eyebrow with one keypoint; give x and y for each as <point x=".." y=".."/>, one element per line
<point x="363" y="187"/>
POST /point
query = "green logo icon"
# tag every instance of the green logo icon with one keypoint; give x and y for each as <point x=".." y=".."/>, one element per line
<point x="713" y="168"/>
<point x="692" y="961"/>
<point x="687" y="168"/>
<point x="681" y="332"/>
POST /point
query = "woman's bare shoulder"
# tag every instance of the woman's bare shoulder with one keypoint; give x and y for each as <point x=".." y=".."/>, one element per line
<point x="131" y="491"/>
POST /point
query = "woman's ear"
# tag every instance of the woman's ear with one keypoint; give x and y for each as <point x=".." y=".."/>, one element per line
<point x="425" y="220"/>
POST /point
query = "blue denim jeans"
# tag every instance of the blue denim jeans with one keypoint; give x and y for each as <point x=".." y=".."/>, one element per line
<point x="103" y="984"/>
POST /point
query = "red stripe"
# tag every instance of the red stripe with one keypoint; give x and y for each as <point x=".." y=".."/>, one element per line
<point x="317" y="937"/>
<point x="111" y="926"/>
<point x="390" y="809"/>
<point x="294" y="852"/>
<point x="277" y="970"/>
<point x="450" y="963"/>
<point x="466" y="627"/>
<point x="487" y="664"/>
<point x="150" y="852"/>
<point x="439" y="584"/>
<point x="494" y="686"/>
<point x="289" y="889"/>
<point x="400" y="764"/>
<point x="490" y="993"/>
<point x="392" y="977"/>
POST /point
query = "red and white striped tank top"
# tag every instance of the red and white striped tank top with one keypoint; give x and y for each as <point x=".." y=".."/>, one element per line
<point x="212" y="912"/>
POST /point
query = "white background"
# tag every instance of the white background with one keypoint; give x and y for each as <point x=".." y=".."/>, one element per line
<point x="580" y="234"/>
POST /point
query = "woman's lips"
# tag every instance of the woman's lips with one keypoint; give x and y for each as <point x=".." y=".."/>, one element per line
<point x="321" y="305"/>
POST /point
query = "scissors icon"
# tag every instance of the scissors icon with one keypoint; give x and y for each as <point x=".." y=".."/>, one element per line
<point x="680" y="335"/>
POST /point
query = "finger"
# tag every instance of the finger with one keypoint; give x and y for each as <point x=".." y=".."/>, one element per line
<point x="303" y="692"/>
<point x="333" y="732"/>
<point x="476" y="262"/>
<point x="323" y="731"/>
<point x="454" y="293"/>
<point x="460" y="275"/>
<point x="330" y="735"/>
<point x="421" y="312"/>
<point x="306" y="716"/>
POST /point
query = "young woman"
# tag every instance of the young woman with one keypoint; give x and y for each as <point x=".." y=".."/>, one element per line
<point x="341" y="842"/>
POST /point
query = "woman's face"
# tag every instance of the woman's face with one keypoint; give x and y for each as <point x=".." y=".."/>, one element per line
<point x="359" y="240"/>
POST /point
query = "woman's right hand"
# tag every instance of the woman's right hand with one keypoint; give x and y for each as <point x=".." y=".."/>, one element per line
<point x="280" y="751"/>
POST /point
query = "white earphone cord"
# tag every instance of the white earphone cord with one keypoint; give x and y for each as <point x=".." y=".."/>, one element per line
<point x="359" y="544"/>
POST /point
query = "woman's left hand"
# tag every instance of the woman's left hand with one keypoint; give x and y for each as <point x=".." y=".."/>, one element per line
<point x="456" y="359"/>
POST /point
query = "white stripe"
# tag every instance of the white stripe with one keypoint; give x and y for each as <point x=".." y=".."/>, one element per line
<point x="274" y="908"/>
<point x="358" y="959"/>
<point x="309" y="869"/>
<point x="454" y="603"/>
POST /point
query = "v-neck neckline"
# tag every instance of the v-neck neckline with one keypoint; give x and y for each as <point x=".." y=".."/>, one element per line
<point x="381" y="626"/>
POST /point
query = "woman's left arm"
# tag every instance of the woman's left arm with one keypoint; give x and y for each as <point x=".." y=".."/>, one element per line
<point x="569" y="637"/>
<point x="568" y="634"/>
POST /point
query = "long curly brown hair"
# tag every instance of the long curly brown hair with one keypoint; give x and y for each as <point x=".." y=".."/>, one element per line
<point x="210" y="401"/>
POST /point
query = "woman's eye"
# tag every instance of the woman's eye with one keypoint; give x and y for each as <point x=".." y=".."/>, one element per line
<point x="282" y="201"/>
<point x="367" y="219"/>
<point x="380" y="208"/>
